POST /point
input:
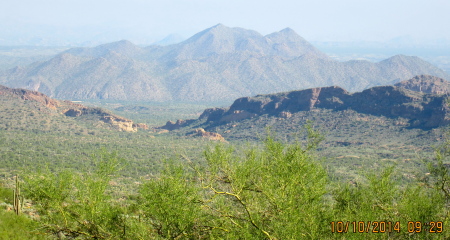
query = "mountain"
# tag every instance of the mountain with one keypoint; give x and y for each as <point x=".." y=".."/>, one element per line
<point x="418" y="109"/>
<point x="217" y="64"/>
<point x="123" y="47"/>
<point x="389" y="115"/>
<point x="33" y="111"/>
<point x="222" y="41"/>
<point x="169" y="40"/>
<point x="426" y="84"/>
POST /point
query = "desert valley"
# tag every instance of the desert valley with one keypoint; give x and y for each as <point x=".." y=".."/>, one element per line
<point x="229" y="134"/>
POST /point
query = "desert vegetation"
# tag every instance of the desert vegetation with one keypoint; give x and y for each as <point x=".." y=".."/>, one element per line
<point x="363" y="177"/>
<point x="275" y="190"/>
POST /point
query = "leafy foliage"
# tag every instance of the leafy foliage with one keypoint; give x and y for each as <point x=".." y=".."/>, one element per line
<point x="18" y="227"/>
<point x="170" y="204"/>
<point x="77" y="204"/>
<point x="260" y="194"/>
<point x="278" y="191"/>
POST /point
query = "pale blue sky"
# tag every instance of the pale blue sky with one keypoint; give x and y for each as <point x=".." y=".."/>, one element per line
<point x="146" y="21"/>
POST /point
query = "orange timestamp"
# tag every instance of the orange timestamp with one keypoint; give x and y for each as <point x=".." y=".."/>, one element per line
<point x="385" y="227"/>
<point x="430" y="227"/>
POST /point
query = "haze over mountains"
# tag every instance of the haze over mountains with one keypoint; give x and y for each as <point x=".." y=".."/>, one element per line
<point x="217" y="64"/>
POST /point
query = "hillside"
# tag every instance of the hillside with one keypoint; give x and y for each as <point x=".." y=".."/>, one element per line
<point x="33" y="111"/>
<point x="388" y="116"/>
<point x="423" y="110"/>
<point x="217" y="64"/>
<point x="426" y="84"/>
<point x="13" y="56"/>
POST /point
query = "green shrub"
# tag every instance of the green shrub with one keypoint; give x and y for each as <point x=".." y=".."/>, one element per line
<point x="14" y="227"/>
<point x="6" y="195"/>
<point x="271" y="193"/>
<point x="171" y="206"/>
<point x="77" y="205"/>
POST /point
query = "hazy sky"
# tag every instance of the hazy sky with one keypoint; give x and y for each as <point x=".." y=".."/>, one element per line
<point x="146" y="21"/>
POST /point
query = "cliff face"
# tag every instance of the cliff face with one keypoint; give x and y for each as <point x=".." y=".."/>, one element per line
<point x="30" y="95"/>
<point x="70" y="109"/>
<point x="423" y="110"/>
<point x="116" y="122"/>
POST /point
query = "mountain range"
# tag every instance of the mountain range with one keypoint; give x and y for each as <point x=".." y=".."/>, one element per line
<point x="217" y="64"/>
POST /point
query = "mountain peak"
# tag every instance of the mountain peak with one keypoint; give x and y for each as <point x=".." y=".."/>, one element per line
<point x="123" y="47"/>
<point x="218" y="39"/>
<point x="219" y="25"/>
<point x="288" y="30"/>
<point x="169" y="40"/>
<point x="225" y="31"/>
<point x="219" y="28"/>
<point x="398" y="58"/>
<point x="289" y="44"/>
<point x="287" y="34"/>
<point x="119" y="46"/>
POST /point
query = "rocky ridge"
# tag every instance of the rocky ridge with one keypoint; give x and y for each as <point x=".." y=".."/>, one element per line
<point x="426" y="84"/>
<point x="71" y="109"/>
<point x="421" y="109"/>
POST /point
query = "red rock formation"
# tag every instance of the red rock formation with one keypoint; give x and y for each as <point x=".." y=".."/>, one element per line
<point x="30" y="96"/>
<point x="208" y="135"/>
<point x="71" y="109"/>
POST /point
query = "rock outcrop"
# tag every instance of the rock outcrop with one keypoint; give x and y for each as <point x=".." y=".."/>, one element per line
<point x="285" y="114"/>
<point x="200" y="132"/>
<point x="213" y="114"/>
<point x="71" y="109"/>
<point x="73" y="112"/>
<point x="176" y="125"/>
<point x="423" y="110"/>
<point x="142" y="126"/>
<point x="31" y="96"/>
<point x="120" y="123"/>
<point x="426" y="84"/>
<point x="117" y="122"/>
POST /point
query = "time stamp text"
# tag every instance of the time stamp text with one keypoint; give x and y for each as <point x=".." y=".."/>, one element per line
<point x="386" y="227"/>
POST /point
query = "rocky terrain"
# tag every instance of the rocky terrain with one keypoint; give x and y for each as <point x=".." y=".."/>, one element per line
<point x="426" y="84"/>
<point x="386" y="114"/>
<point x="217" y="64"/>
<point x="422" y="110"/>
<point x="36" y="104"/>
